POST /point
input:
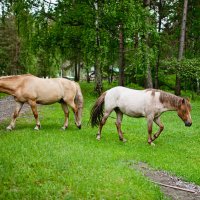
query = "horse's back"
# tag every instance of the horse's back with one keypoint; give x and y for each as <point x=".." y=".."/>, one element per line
<point x="44" y="91"/>
<point x="131" y="102"/>
<point x="66" y="83"/>
<point x="125" y="95"/>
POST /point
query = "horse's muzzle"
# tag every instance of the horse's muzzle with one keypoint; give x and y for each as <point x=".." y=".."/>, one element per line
<point x="188" y="123"/>
<point x="79" y="126"/>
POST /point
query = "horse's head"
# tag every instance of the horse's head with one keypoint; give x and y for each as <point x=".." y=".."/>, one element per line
<point x="79" y="110"/>
<point x="184" y="109"/>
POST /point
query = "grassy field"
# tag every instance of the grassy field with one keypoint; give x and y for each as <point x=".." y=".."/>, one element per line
<point x="72" y="164"/>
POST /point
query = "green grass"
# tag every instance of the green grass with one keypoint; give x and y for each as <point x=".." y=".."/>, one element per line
<point x="2" y="95"/>
<point x="71" y="164"/>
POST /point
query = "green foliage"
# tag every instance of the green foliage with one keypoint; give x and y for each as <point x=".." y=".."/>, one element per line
<point x="49" y="34"/>
<point x="187" y="68"/>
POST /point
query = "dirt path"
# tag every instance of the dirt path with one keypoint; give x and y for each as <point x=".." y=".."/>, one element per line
<point x="164" y="178"/>
<point x="7" y="107"/>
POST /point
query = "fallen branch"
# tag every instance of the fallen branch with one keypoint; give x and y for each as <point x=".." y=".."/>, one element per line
<point x="174" y="187"/>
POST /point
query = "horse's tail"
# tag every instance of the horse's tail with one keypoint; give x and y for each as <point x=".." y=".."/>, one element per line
<point x="96" y="113"/>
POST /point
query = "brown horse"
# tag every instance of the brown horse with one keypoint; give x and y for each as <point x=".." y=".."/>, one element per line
<point x="33" y="90"/>
<point x="138" y="103"/>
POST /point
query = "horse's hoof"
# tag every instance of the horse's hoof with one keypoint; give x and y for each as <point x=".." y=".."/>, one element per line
<point x="63" y="128"/>
<point x="9" y="128"/>
<point x="98" y="137"/>
<point x="124" y="140"/>
<point x="36" y="128"/>
<point x="152" y="144"/>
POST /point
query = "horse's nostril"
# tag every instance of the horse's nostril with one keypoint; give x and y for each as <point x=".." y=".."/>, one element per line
<point x="188" y="123"/>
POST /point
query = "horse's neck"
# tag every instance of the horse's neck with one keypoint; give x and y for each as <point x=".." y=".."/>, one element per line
<point x="168" y="106"/>
<point x="8" y="86"/>
<point x="171" y="102"/>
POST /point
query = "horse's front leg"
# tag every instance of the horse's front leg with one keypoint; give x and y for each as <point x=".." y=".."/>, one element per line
<point x="161" y="127"/>
<point x="149" y="126"/>
<point x="33" y="105"/>
<point x="66" y="112"/>
<point x="15" y="115"/>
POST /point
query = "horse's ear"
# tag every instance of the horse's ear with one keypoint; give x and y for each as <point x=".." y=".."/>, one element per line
<point x="181" y="101"/>
<point x="188" y="99"/>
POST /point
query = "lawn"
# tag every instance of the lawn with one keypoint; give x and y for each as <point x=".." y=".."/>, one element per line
<point x="72" y="164"/>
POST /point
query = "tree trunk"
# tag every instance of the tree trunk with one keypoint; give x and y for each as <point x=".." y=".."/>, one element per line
<point x="3" y="13"/>
<point x="110" y="74"/>
<point x="159" y="45"/>
<point x="146" y="3"/>
<point x="181" y="47"/>
<point x="198" y="86"/>
<point x="98" y="79"/>
<point x="149" y="82"/>
<point x="121" y="56"/>
<point x="136" y="40"/>
<point x="80" y="65"/>
<point x="76" y="70"/>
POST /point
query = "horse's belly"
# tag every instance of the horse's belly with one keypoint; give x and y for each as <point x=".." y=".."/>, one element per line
<point x="48" y="99"/>
<point x="45" y="102"/>
<point x="132" y="112"/>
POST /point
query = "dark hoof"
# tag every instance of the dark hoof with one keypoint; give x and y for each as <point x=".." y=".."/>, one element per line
<point x="123" y="140"/>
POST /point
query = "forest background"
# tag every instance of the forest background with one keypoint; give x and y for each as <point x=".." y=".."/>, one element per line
<point x="150" y="43"/>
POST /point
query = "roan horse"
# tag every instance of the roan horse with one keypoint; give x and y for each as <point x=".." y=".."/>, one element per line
<point x="33" y="90"/>
<point x="148" y="103"/>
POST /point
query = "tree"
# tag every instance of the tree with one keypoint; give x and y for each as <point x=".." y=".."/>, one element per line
<point x="9" y="47"/>
<point x="160" y="17"/>
<point x="149" y="82"/>
<point x="121" y="55"/>
<point x="131" y="35"/>
<point x="181" y="47"/>
<point x="97" y="64"/>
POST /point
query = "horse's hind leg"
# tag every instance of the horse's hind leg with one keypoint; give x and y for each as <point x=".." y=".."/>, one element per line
<point x="161" y="127"/>
<point x="118" y="124"/>
<point x="150" y="125"/>
<point x="33" y="105"/>
<point x="15" y="115"/>
<point x="66" y="112"/>
<point x="103" y="121"/>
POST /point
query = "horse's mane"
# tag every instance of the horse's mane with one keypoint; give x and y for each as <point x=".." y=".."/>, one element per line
<point x="169" y="98"/>
<point x="166" y="97"/>
<point x="14" y="76"/>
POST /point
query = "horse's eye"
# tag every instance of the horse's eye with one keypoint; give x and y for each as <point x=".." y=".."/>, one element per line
<point x="184" y="111"/>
